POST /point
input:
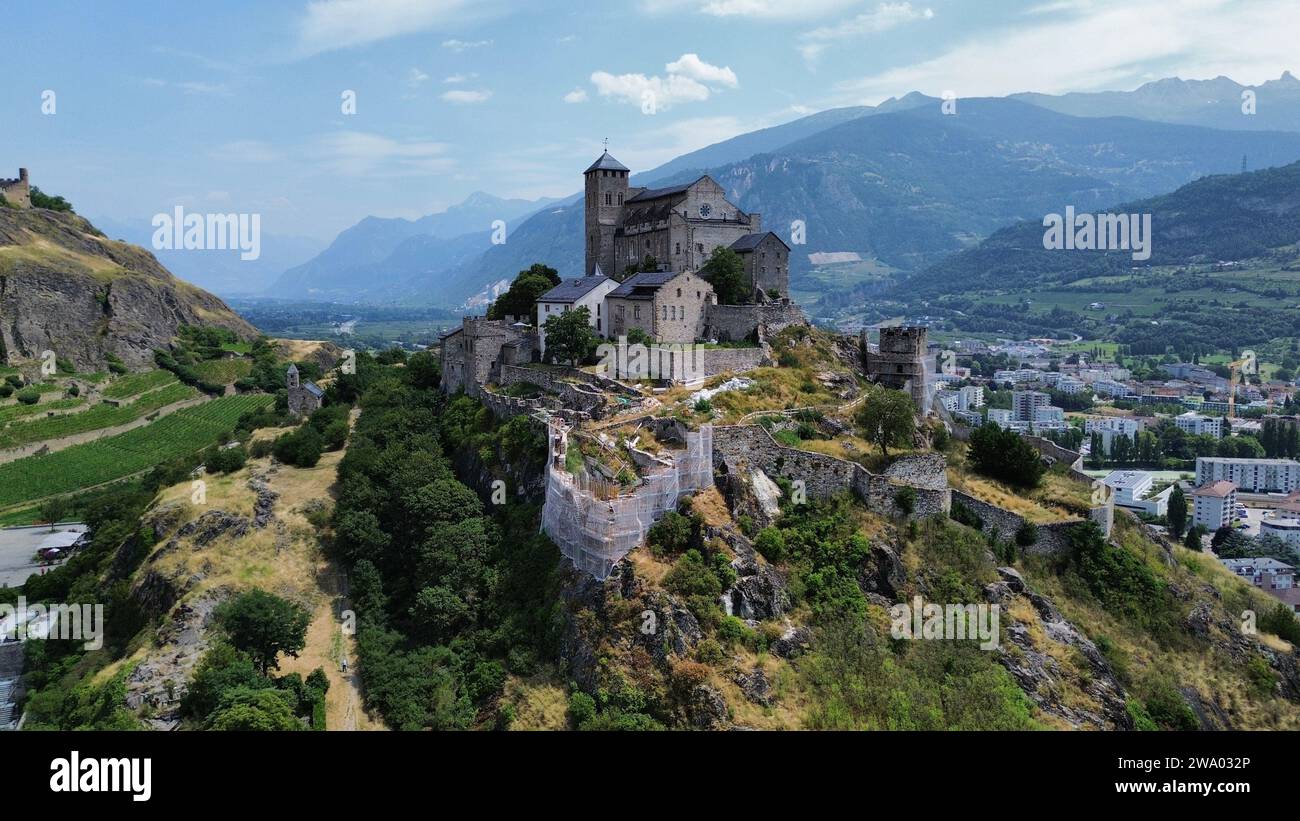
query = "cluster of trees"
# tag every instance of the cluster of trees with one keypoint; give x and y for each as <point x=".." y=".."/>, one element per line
<point x="521" y="298"/>
<point x="1005" y="455"/>
<point x="1280" y="439"/>
<point x="234" y="687"/>
<point x="569" y="336"/>
<point x="326" y="429"/>
<point x="450" y="594"/>
<point x="1167" y="445"/>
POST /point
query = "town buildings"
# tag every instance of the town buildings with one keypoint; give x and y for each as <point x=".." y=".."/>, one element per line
<point x="1213" y="504"/>
<point x="1251" y="475"/>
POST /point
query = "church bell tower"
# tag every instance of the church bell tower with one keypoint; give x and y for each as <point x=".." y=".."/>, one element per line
<point x="606" y="189"/>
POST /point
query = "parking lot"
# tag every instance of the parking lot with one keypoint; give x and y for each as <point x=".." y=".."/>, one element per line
<point x="18" y="550"/>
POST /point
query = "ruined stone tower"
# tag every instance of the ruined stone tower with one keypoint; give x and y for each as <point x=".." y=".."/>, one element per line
<point x="17" y="191"/>
<point x="899" y="360"/>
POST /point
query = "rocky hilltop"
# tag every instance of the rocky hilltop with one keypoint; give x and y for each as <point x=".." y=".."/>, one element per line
<point x="66" y="288"/>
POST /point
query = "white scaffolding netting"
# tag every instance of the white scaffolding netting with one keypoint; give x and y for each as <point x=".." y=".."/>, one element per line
<point x="595" y="523"/>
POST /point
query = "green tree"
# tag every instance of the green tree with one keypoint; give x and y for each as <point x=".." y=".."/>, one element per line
<point x="887" y="418"/>
<point x="1177" y="512"/>
<point x="53" y="509"/>
<point x="569" y="336"/>
<point x="1005" y="456"/>
<point x="264" y="625"/>
<point x="521" y="298"/>
<point x="725" y="271"/>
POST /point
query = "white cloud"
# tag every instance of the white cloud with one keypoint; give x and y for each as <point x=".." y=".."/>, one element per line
<point x="358" y="154"/>
<point x="578" y="95"/>
<point x="756" y="9"/>
<point x="464" y="45"/>
<point x="1104" y="44"/>
<point x="690" y="65"/>
<point x="333" y="24"/>
<point x="466" y="97"/>
<point x="456" y="79"/>
<point x="415" y="77"/>
<point x="689" y="80"/>
<point x="637" y="88"/>
<point x="883" y="18"/>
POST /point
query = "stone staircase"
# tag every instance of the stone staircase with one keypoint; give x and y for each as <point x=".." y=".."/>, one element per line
<point x="11" y="668"/>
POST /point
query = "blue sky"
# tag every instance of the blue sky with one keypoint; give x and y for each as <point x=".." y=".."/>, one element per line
<point x="236" y="106"/>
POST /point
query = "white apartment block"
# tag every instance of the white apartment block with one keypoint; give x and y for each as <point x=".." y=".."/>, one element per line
<point x="1196" y="424"/>
<point x="971" y="397"/>
<point x="1260" y="572"/>
<point x="1111" y="388"/>
<point x="1250" y="475"/>
<point x="1132" y="489"/>
<point x="1213" y="504"/>
<point x="1069" y="384"/>
<point x="1024" y="403"/>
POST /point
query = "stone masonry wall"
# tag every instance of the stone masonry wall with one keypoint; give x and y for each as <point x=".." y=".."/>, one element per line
<point x="826" y="476"/>
<point x="731" y="323"/>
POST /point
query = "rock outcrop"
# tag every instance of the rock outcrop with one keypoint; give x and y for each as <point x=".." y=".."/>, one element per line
<point x="66" y="288"/>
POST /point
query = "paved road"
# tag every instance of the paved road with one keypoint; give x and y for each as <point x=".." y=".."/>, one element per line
<point x="17" y="547"/>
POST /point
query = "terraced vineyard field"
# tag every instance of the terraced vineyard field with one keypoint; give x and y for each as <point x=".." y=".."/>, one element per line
<point x="8" y="413"/>
<point x="134" y="383"/>
<point x="100" y="416"/>
<point x="94" y="463"/>
<point x="224" y="371"/>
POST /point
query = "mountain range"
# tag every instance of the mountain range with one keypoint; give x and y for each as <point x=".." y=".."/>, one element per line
<point x="901" y="184"/>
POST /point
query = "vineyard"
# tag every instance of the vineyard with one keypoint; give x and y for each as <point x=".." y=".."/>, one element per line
<point x="224" y="371"/>
<point x="94" y="463"/>
<point x="100" y="416"/>
<point x="8" y="413"/>
<point x="134" y="383"/>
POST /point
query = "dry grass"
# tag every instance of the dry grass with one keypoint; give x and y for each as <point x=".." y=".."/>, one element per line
<point x="540" y="702"/>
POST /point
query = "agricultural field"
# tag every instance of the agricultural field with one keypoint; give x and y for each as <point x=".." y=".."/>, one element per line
<point x="17" y="410"/>
<point x="100" y="416"/>
<point x="95" y="463"/>
<point x="224" y="371"/>
<point x="135" y="383"/>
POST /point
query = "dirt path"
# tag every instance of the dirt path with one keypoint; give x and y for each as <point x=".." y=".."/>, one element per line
<point x="326" y="648"/>
<point x="53" y="445"/>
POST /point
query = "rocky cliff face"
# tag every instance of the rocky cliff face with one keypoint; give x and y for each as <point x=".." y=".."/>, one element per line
<point x="65" y="288"/>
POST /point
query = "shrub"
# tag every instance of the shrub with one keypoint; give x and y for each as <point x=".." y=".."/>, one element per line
<point x="1168" y="709"/>
<point x="1281" y="622"/>
<point x="905" y="499"/>
<point x="964" y="515"/>
<point x="225" y="460"/>
<point x="6" y="390"/>
<point x="771" y="543"/>
<point x="672" y="534"/>
<point x="29" y="396"/>
<point x="302" y="448"/>
<point x="1027" y="534"/>
<point x="582" y="708"/>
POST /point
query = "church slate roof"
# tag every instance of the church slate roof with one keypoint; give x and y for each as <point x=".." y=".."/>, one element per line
<point x="658" y="193"/>
<point x="572" y="290"/>
<point x="643" y="285"/>
<point x="606" y="163"/>
<point x="314" y="390"/>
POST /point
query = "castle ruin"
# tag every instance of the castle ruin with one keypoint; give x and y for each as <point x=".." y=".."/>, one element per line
<point x="899" y="361"/>
<point x="17" y="192"/>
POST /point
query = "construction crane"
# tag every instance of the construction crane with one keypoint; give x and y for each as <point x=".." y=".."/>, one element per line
<point x="1247" y="364"/>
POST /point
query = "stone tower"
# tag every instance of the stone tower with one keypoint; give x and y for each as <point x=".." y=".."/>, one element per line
<point x="606" y="188"/>
<point x="17" y="191"/>
<point x="899" y="361"/>
<point x="291" y="379"/>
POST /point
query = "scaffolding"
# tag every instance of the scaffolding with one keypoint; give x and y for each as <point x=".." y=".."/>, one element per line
<point x="596" y="523"/>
